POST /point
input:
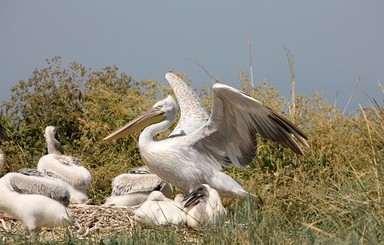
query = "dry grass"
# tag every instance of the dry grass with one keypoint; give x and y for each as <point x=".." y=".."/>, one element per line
<point x="334" y="194"/>
<point x="95" y="223"/>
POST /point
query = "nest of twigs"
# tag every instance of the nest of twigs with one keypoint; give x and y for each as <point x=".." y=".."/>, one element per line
<point x="108" y="220"/>
<point x="95" y="222"/>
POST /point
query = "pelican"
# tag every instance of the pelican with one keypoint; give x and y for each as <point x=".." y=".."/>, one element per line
<point x="203" y="207"/>
<point x="51" y="186"/>
<point x="159" y="210"/>
<point x="134" y="187"/>
<point x="35" y="199"/>
<point x="200" y="145"/>
<point x="66" y="168"/>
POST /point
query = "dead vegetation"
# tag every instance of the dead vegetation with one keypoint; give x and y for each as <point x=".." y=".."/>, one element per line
<point x="95" y="222"/>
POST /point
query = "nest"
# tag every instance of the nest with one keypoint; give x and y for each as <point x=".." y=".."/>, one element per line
<point x="108" y="220"/>
<point x="94" y="221"/>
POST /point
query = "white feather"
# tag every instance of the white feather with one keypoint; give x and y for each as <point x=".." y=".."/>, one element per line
<point x="134" y="187"/>
<point x="33" y="210"/>
<point x="205" y="207"/>
<point x="196" y="150"/>
<point x="66" y="168"/>
<point x="159" y="210"/>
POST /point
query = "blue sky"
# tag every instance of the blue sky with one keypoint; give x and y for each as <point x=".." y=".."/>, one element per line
<point x="333" y="42"/>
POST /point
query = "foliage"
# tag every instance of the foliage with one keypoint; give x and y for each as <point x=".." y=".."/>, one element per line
<point x="332" y="194"/>
<point x="85" y="105"/>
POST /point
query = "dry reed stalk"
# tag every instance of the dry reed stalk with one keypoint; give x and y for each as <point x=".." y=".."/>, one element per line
<point x="250" y="62"/>
<point x="369" y="135"/>
<point x="312" y="227"/>
<point x="378" y="177"/>
<point x="214" y="80"/>
<point x="291" y="62"/>
<point x="352" y="93"/>
<point x="381" y="86"/>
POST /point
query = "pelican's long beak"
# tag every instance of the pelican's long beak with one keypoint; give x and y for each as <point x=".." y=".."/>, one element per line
<point x="152" y="116"/>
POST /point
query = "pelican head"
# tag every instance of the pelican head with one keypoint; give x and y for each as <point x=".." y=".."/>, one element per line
<point x="51" y="135"/>
<point x="204" y="207"/>
<point x="164" y="109"/>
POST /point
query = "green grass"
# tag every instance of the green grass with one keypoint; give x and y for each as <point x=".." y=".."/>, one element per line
<point x="329" y="215"/>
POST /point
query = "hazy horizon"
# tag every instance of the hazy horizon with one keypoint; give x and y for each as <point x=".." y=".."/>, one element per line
<point x="333" y="43"/>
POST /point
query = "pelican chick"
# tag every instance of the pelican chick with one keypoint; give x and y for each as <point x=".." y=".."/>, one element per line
<point x="46" y="184"/>
<point x="66" y="168"/>
<point x="134" y="187"/>
<point x="200" y="145"/>
<point x="36" y="200"/>
<point x="159" y="210"/>
<point x="203" y="207"/>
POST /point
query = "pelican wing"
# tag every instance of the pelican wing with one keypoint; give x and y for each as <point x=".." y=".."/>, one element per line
<point x="68" y="160"/>
<point x="236" y="119"/>
<point x="139" y="170"/>
<point x="40" y="184"/>
<point x="192" y="113"/>
<point x="37" y="173"/>
<point x="31" y="172"/>
<point x="68" y="171"/>
<point x="132" y="183"/>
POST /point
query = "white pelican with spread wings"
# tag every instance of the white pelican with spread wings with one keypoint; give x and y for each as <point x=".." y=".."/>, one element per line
<point x="198" y="147"/>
